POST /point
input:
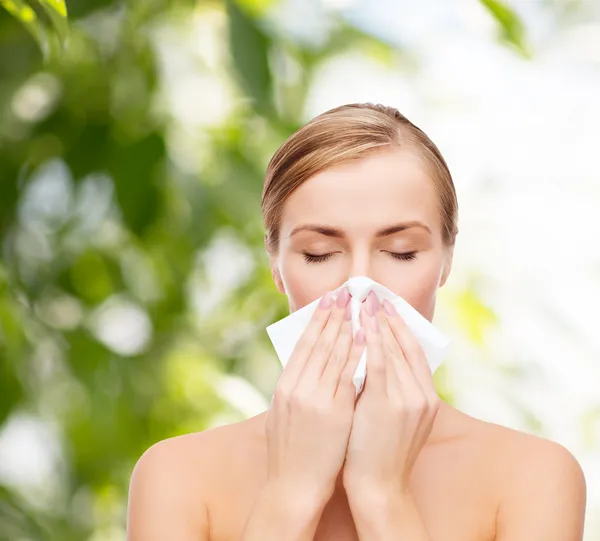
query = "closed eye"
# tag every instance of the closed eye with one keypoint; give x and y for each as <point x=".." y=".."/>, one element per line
<point x="318" y="258"/>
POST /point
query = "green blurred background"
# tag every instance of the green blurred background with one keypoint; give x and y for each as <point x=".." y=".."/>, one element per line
<point x="134" y="285"/>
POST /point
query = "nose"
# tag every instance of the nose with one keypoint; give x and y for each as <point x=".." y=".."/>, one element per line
<point x="359" y="287"/>
<point x="359" y="273"/>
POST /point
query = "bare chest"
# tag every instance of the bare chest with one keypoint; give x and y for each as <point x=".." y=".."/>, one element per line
<point x="454" y="497"/>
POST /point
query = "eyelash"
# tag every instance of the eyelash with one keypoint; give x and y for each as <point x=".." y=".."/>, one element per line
<point x="313" y="258"/>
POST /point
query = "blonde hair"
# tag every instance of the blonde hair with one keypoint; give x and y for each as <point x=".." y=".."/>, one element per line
<point x="343" y="134"/>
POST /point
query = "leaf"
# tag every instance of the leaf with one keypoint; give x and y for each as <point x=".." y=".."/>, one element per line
<point x="474" y="316"/>
<point x="57" y="12"/>
<point x="348" y="37"/>
<point x="91" y="278"/>
<point x="136" y="169"/>
<point x="18" y="520"/>
<point x="13" y="343"/>
<point x="256" y="7"/>
<point x="86" y="148"/>
<point x="50" y="37"/>
<point x="249" y="51"/>
<point x="512" y="28"/>
<point x="24" y="13"/>
<point x="9" y="193"/>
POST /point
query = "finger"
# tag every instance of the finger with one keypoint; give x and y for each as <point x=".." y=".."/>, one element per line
<point x="399" y="374"/>
<point x="307" y="341"/>
<point x="322" y="350"/>
<point x="413" y="352"/>
<point x="339" y="356"/>
<point x="346" y="383"/>
<point x="376" y="370"/>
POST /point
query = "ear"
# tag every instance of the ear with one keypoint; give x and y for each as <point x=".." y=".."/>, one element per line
<point x="277" y="279"/>
<point x="273" y="263"/>
<point x="447" y="265"/>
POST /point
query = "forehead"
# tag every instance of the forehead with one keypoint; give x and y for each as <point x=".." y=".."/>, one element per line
<point x="366" y="194"/>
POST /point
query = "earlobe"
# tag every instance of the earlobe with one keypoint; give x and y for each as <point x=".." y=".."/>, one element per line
<point x="445" y="273"/>
<point x="274" y="271"/>
<point x="277" y="279"/>
<point x="447" y="266"/>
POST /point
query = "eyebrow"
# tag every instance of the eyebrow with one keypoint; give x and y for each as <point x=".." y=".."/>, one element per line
<point x="339" y="234"/>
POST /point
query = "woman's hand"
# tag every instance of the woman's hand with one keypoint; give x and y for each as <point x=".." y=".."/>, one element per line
<point x="310" y="417"/>
<point x="395" y="412"/>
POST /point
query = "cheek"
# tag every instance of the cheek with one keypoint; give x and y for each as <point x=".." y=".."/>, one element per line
<point x="302" y="286"/>
<point x="418" y="286"/>
<point x="420" y="295"/>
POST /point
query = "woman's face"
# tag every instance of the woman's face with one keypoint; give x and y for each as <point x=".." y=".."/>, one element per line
<point x="374" y="217"/>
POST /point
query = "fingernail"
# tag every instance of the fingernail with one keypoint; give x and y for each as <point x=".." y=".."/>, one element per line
<point x="372" y="298"/>
<point x="326" y="301"/>
<point x="389" y="308"/>
<point x="343" y="298"/>
<point x="368" y="306"/>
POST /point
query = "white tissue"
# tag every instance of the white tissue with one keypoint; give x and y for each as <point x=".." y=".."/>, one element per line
<point x="285" y="333"/>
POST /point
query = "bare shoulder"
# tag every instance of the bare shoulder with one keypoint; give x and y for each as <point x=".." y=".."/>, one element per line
<point x="174" y="480"/>
<point x="540" y="485"/>
<point x="522" y="454"/>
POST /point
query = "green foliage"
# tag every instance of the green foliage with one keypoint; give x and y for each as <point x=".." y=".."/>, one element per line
<point x="46" y="20"/>
<point x="99" y="214"/>
<point x="512" y="30"/>
<point x="250" y="49"/>
<point x="473" y="316"/>
<point x="112" y="208"/>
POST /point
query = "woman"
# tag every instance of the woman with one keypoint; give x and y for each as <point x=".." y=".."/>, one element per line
<point x="359" y="190"/>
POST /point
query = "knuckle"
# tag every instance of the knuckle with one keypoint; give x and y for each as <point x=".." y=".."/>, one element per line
<point x="335" y="358"/>
<point x="398" y="405"/>
<point x="346" y="377"/>
<point x="346" y="329"/>
<point x="304" y="343"/>
<point x="281" y="394"/>
<point x="321" y="347"/>
<point x="308" y="401"/>
<point x="297" y="401"/>
<point x="434" y="403"/>
<point x="347" y="373"/>
<point x="319" y="316"/>
<point x="422" y="404"/>
<point x="318" y="406"/>
<point x="390" y="351"/>
<point x="338" y="314"/>
<point x="377" y="367"/>
<point x="347" y="384"/>
<point x="419" y="405"/>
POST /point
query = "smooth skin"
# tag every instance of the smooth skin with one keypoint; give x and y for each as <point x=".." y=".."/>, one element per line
<point x="309" y="422"/>
<point x="466" y="479"/>
<point x="310" y="418"/>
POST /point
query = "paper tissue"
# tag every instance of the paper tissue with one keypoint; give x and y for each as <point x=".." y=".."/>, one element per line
<point x="285" y="333"/>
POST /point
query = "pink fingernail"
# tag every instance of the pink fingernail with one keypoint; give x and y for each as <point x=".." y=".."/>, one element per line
<point x="326" y="301"/>
<point x="389" y="308"/>
<point x="372" y="298"/>
<point x="343" y="298"/>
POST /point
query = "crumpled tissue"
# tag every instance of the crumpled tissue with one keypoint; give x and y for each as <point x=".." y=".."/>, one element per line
<point x="285" y="333"/>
